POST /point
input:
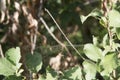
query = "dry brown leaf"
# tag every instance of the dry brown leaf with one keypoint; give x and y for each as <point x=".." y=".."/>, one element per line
<point x="14" y="28"/>
<point x="2" y="16"/>
<point x="55" y="62"/>
<point x="4" y="38"/>
<point x="44" y="39"/>
<point x="15" y="16"/>
<point x="8" y="17"/>
<point x="33" y="22"/>
<point x="17" y="6"/>
<point x="65" y="65"/>
<point x="24" y="9"/>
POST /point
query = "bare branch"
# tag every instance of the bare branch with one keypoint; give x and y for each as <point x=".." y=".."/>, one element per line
<point x="64" y="35"/>
<point x="1" y="52"/>
<point x="58" y="41"/>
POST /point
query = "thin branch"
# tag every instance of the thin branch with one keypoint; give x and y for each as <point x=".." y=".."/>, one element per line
<point x="64" y="34"/>
<point x="56" y="39"/>
<point x="1" y="52"/>
<point x="76" y="45"/>
<point x="106" y="10"/>
<point x="90" y="2"/>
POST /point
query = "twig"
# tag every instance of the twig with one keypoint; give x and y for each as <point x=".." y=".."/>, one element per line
<point x="90" y="2"/>
<point x="31" y="78"/>
<point x="106" y="11"/>
<point x="76" y="45"/>
<point x="110" y="35"/>
<point x="64" y="34"/>
<point x="3" y="39"/>
<point x="58" y="41"/>
<point x="1" y="52"/>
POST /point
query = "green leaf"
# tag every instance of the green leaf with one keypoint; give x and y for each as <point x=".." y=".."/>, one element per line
<point x="93" y="52"/>
<point x="95" y="40"/>
<point x="118" y="71"/>
<point x="10" y="64"/>
<point x="114" y="18"/>
<point x="6" y="67"/>
<point x="109" y="63"/>
<point x="59" y="1"/>
<point x="105" y="40"/>
<point x="118" y="33"/>
<point x="103" y="21"/>
<point x="34" y="62"/>
<point x="95" y="13"/>
<point x="13" y="55"/>
<point x="51" y="75"/>
<point x="83" y="18"/>
<point x="90" y="69"/>
<point x="41" y="77"/>
<point x="13" y="77"/>
<point x="74" y="73"/>
<point x="119" y="78"/>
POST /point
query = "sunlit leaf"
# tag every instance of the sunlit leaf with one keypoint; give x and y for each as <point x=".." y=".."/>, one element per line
<point x="59" y="1"/>
<point x="119" y="78"/>
<point x="19" y="72"/>
<point x="109" y="63"/>
<point x="51" y="75"/>
<point x="6" y="67"/>
<point x="83" y="18"/>
<point x="10" y="64"/>
<point x="114" y="18"/>
<point x="103" y="21"/>
<point x="93" y="52"/>
<point x="89" y="69"/>
<point x="105" y="40"/>
<point x="95" y="13"/>
<point x="34" y="62"/>
<point x="41" y="78"/>
<point x="74" y="73"/>
<point x="95" y="41"/>
<point x="13" y="55"/>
